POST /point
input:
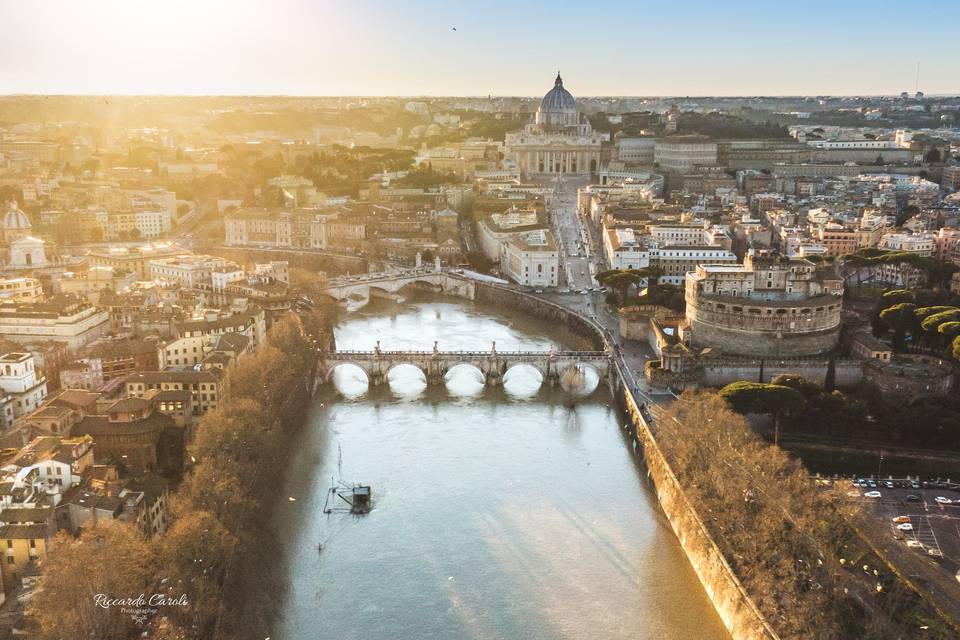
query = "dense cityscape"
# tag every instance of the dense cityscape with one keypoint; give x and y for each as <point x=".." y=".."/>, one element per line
<point x="546" y="366"/>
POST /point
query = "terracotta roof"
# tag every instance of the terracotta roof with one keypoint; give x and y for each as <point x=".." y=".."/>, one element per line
<point x="76" y="398"/>
<point x="232" y="342"/>
<point x="38" y="515"/>
<point x="129" y="405"/>
<point x="23" y="531"/>
<point x="101" y="426"/>
<point x="90" y="500"/>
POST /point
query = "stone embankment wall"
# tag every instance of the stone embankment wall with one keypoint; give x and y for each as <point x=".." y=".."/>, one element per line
<point x="722" y="371"/>
<point x="579" y="331"/>
<point x="736" y="609"/>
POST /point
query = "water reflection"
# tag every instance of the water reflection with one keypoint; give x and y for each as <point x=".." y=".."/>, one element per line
<point x="349" y="380"/>
<point x="522" y="381"/>
<point x="464" y="380"/>
<point x="406" y="381"/>
<point x="499" y="512"/>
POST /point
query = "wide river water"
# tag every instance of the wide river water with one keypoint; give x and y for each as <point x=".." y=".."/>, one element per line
<point x="509" y="513"/>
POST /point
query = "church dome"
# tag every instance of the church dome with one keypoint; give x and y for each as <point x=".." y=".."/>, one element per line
<point x="558" y="99"/>
<point x="14" y="219"/>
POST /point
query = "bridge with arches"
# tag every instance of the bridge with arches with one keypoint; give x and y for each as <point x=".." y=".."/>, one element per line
<point x="390" y="283"/>
<point x="493" y="364"/>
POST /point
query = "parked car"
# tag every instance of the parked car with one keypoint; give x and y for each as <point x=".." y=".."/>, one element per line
<point x="901" y="519"/>
<point x="906" y="526"/>
<point x="914" y="544"/>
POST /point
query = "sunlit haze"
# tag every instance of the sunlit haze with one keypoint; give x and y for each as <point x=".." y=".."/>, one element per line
<point x="428" y="47"/>
<point x="450" y="320"/>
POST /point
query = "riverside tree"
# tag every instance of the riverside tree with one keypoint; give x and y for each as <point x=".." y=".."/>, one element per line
<point x="789" y="541"/>
<point x="111" y="560"/>
<point x="756" y="397"/>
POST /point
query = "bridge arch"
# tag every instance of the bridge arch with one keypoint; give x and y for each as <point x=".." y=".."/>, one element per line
<point x="400" y="363"/>
<point x="532" y="365"/>
<point x="334" y="365"/>
<point x="475" y="366"/>
<point x="422" y="282"/>
<point x="389" y="288"/>
<point x="570" y="368"/>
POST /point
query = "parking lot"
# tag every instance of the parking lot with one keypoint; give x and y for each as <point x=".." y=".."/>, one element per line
<point x="928" y="550"/>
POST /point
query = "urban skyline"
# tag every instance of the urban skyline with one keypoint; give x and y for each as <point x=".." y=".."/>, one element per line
<point x="438" y="321"/>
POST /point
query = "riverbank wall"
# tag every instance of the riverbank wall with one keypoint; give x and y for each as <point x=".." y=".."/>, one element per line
<point x="737" y="610"/>
<point x="580" y="332"/>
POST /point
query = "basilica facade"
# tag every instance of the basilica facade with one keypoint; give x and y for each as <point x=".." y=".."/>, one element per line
<point x="19" y="249"/>
<point x="559" y="141"/>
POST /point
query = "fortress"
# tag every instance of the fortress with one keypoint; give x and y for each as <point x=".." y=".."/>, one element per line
<point x="770" y="306"/>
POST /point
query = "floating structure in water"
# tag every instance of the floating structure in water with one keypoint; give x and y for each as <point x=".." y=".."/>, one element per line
<point x="354" y="499"/>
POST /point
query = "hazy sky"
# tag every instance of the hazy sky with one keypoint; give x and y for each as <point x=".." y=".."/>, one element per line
<point x="500" y="47"/>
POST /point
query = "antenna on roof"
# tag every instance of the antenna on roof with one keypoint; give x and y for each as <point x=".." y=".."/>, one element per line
<point x="916" y="84"/>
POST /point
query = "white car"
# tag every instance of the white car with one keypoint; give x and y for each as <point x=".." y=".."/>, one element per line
<point x="942" y="500"/>
<point x="914" y="544"/>
<point x="872" y="494"/>
<point x="906" y="526"/>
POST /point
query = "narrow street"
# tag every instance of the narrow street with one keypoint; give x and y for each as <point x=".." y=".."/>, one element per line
<point x="579" y="263"/>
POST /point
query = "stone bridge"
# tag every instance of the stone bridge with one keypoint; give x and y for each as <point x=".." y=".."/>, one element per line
<point x="492" y="364"/>
<point x="389" y="284"/>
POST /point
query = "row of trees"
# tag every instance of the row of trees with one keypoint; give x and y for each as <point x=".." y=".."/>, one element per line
<point x="217" y="558"/>
<point x="620" y="282"/>
<point x="425" y="177"/>
<point x="931" y="327"/>
<point x="339" y="171"/>
<point x="864" y="415"/>
<point x="719" y="125"/>
<point x="788" y="540"/>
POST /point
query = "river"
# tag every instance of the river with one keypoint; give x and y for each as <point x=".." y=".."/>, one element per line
<point x="498" y="513"/>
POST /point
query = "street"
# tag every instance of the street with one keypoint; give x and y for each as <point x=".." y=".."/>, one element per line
<point x="579" y="263"/>
<point x="576" y="256"/>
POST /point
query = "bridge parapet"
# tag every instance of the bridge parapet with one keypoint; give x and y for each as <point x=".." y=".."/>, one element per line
<point x="493" y="364"/>
<point x="391" y="283"/>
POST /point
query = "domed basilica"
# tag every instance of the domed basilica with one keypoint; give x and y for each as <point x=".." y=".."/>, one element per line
<point x="559" y="141"/>
<point x="19" y="249"/>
